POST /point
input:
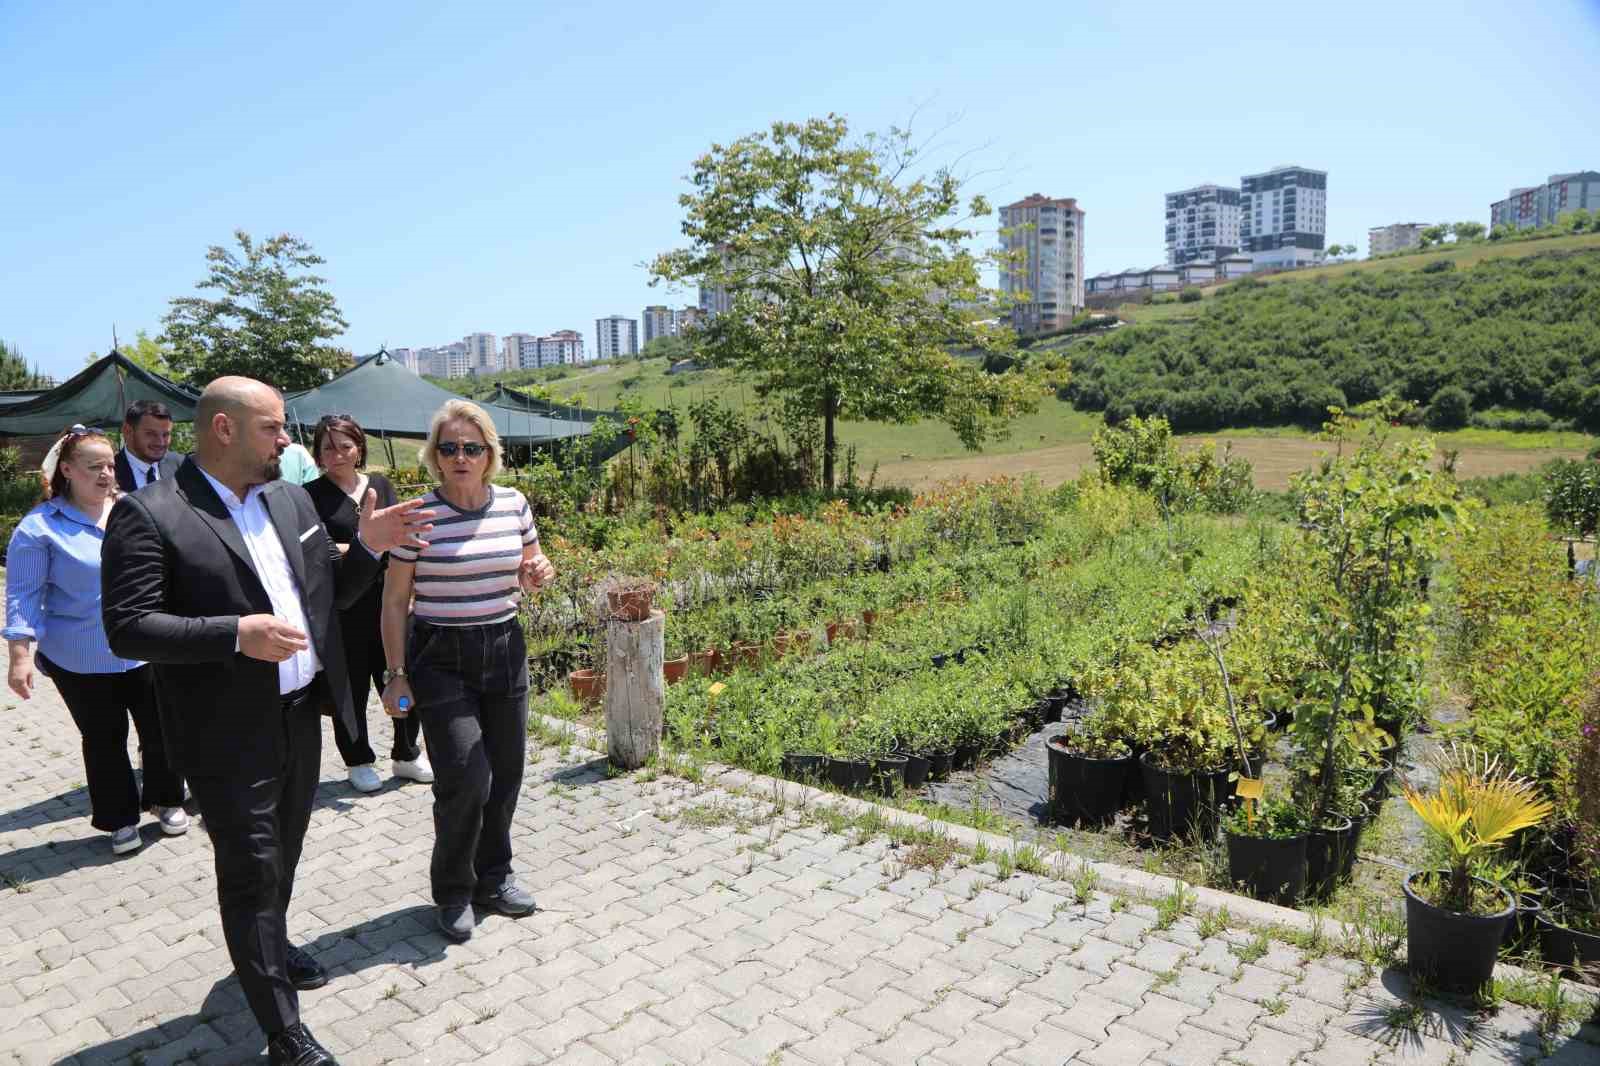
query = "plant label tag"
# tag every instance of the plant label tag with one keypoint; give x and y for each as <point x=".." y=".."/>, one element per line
<point x="715" y="690"/>
<point x="1249" y="788"/>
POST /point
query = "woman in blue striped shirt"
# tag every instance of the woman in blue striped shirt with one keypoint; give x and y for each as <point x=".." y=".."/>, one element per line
<point x="53" y="600"/>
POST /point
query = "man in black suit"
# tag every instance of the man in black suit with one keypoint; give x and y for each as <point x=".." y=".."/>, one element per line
<point x="146" y="435"/>
<point x="223" y="577"/>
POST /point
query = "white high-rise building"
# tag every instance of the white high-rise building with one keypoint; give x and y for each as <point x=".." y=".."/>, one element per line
<point x="1283" y="217"/>
<point x="1384" y="239"/>
<point x="1047" y="281"/>
<point x="521" y="351"/>
<point x="686" y="318"/>
<point x="564" y="347"/>
<point x="484" y="351"/>
<point x="1202" y="224"/>
<point x="616" y="336"/>
<point x="658" y="322"/>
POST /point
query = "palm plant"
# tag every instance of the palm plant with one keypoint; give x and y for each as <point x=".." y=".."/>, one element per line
<point x="1477" y="806"/>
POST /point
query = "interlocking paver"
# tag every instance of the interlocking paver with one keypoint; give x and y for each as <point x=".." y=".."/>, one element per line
<point x="658" y="942"/>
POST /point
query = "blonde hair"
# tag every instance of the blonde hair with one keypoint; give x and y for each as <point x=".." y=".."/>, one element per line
<point x="467" y="411"/>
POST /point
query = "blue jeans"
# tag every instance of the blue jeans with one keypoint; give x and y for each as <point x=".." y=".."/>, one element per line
<point x="471" y="688"/>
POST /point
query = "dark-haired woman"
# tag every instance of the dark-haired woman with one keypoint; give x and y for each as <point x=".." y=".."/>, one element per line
<point x="340" y="448"/>
<point x="53" y="619"/>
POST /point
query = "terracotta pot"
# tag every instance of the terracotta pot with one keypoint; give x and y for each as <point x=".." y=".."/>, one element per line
<point x="841" y="630"/>
<point x="705" y="662"/>
<point x="630" y="605"/>
<point x="587" y="685"/>
<point x="747" y="653"/>
<point x="674" y="669"/>
<point x="784" y="643"/>
<point x="869" y="619"/>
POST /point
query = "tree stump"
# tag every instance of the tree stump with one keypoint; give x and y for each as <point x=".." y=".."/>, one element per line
<point x="636" y="690"/>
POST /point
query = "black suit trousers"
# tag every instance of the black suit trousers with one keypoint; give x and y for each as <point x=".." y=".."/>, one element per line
<point x="257" y="821"/>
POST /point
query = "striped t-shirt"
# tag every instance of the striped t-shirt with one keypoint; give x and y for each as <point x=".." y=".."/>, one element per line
<point x="467" y="575"/>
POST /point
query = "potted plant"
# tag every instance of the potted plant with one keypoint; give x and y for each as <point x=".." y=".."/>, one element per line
<point x="1088" y="768"/>
<point x="806" y="757"/>
<point x="1267" y="849"/>
<point x="629" y="599"/>
<point x="1455" y="923"/>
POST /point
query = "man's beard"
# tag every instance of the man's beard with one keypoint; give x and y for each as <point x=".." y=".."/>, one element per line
<point x="273" y="470"/>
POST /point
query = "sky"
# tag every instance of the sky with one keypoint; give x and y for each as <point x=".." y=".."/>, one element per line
<point x="510" y="166"/>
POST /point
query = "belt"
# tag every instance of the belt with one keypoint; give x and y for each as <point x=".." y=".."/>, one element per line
<point x="300" y="697"/>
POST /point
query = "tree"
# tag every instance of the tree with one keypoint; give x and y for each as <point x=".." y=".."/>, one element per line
<point x="1450" y="408"/>
<point x="671" y="347"/>
<point x="850" y="282"/>
<point x="15" y="372"/>
<point x="271" y="322"/>
<point x="143" y="350"/>
<point x="1434" y="235"/>
<point x="1467" y="231"/>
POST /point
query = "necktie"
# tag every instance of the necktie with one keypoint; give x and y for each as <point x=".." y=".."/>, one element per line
<point x="150" y="473"/>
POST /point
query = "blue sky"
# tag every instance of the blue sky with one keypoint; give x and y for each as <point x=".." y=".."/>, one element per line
<point x="510" y="166"/>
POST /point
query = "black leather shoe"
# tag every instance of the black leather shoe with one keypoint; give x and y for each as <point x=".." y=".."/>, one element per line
<point x="510" y="901"/>
<point x="295" y="1046"/>
<point x="305" y="973"/>
<point x="455" y="922"/>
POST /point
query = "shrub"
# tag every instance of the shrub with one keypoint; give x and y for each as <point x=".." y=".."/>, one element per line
<point x="1450" y="408"/>
<point x="1439" y="266"/>
<point x="1572" y="496"/>
<point x="1189" y="296"/>
<point x="1141" y="453"/>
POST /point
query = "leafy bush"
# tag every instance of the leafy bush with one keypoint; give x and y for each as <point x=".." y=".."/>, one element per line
<point x="1141" y="453"/>
<point x="1440" y="266"/>
<point x="1572" y="496"/>
<point x="1189" y="296"/>
<point x="1450" y="408"/>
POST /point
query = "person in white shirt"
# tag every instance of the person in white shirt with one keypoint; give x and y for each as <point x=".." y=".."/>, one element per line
<point x="145" y="456"/>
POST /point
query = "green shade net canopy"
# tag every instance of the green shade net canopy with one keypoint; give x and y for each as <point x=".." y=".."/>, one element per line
<point x="387" y="400"/>
<point x="96" y="396"/>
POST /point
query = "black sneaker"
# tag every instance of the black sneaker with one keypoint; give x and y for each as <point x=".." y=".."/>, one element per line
<point x="511" y="901"/>
<point x="455" y="922"/>
<point x="295" y="1046"/>
<point x="305" y="973"/>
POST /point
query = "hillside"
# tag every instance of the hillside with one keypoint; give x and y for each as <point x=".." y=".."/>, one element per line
<point x="1520" y="332"/>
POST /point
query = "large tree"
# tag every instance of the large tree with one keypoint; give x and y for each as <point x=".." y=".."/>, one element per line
<point x="144" y="350"/>
<point x="271" y="320"/>
<point x="15" y="372"/>
<point x="850" y="282"/>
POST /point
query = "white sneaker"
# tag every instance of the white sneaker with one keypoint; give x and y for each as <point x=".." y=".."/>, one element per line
<point x="365" y="778"/>
<point x="174" y="820"/>
<point x="418" y="769"/>
<point x="125" y="840"/>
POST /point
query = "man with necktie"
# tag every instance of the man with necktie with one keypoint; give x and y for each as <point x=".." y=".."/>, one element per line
<point x="146" y="436"/>
<point x="224" y="579"/>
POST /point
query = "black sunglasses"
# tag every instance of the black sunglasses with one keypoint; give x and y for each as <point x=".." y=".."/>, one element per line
<point x="448" y="448"/>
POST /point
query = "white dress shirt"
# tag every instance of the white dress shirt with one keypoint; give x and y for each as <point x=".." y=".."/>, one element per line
<point x="141" y="470"/>
<point x="272" y="567"/>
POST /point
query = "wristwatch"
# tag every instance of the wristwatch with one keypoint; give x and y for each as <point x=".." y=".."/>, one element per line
<point x="390" y="675"/>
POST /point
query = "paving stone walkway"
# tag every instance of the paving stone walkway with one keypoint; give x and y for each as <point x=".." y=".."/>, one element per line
<point x="680" y="924"/>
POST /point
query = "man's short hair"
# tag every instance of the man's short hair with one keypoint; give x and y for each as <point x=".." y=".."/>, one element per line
<point x="140" y="408"/>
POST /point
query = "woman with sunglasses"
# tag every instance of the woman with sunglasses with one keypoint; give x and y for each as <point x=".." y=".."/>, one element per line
<point x="340" y="448"/>
<point x="464" y="671"/>
<point x="53" y="602"/>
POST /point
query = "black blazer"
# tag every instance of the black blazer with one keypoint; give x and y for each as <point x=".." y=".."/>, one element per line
<point x="175" y="579"/>
<point x="340" y="517"/>
<point x="166" y="468"/>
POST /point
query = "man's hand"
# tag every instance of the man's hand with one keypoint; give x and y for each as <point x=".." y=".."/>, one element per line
<point x="400" y="526"/>
<point x="535" y="571"/>
<point x="269" y="638"/>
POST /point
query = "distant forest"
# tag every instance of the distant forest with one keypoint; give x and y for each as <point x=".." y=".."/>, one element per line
<point x="1510" y="333"/>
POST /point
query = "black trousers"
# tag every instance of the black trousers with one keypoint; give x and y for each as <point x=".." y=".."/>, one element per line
<point x="257" y="821"/>
<point x="363" y="653"/>
<point x="100" y="705"/>
<point x="471" y="688"/>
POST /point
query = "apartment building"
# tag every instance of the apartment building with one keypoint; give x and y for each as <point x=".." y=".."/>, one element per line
<point x="1283" y="217"/>
<point x="616" y="336"/>
<point x="1394" y="237"/>
<point x="1533" y="206"/>
<point x="687" y="318"/>
<point x="1202" y="224"/>
<point x="564" y="347"/>
<point x="1045" y="280"/>
<point x="658" y="321"/>
<point x="483" y="349"/>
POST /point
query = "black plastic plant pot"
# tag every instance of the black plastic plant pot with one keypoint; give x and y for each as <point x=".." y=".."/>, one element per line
<point x="1182" y="804"/>
<point x="1083" y="790"/>
<point x="940" y="763"/>
<point x="889" y="774"/>
<point x="1270" y="869"/>
<point x="1329" y="852"/>
<point x="917" y="767"/>
<point x="939" y="660"/>
<point x="1572" y="948"/>
<point x="849" y="775"/>
<point x="803" y="766"/>
<point x="1133" y="783"/>
<point x="966" y="757"/>
<point x="1455" y="951"/>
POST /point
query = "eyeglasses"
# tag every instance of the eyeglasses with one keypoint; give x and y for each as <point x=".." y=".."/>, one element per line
<point x="473" y="449"/>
